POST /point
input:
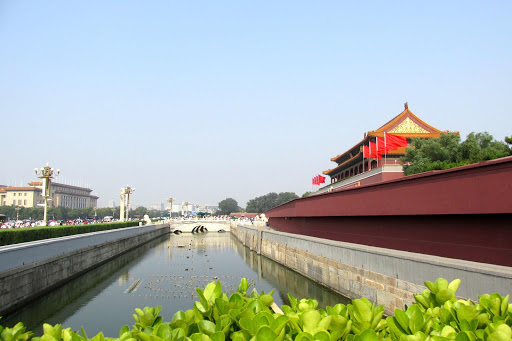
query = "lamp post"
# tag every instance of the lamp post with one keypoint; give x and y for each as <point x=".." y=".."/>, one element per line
<point x="17" y="208"/>
<point x="113" y="212"/>
<point x="184" y="208"/>
<point x="127" y="191"/>
<point x="122" y="204"/>
<point x="46" y="175"/>
<point x="170" y="200"/>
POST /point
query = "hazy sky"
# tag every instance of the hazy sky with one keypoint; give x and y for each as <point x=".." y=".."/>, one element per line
<point x="204" y="100"/>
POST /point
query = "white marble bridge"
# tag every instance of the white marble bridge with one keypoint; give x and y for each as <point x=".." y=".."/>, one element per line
<point x="189" y="226"/>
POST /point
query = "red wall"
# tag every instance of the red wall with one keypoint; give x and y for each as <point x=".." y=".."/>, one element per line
<point x="479" y="238"/>
<point x="462" y="213"/>
<point x="484" y="188"/>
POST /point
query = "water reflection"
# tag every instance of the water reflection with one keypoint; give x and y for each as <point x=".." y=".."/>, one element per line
<point x="163" y="272"/>
<point x="286" y="280"/>
<point x="64" y="301"/>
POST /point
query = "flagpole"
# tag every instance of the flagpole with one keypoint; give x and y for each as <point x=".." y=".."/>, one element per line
<point x="369" y="152"/>
<point x="377" y="150"/>
<point x="363" y="157"/>
<point x="385" y="150"/>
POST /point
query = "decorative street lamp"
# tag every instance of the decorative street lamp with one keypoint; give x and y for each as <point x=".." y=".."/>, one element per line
<point x="127" y="191"/>
<point x="170" y="200"/>
<point x="184" y="208"/>
<point x="122" y="204"/>
<point x="46" y="175"/>
<point x="17" y="208"/>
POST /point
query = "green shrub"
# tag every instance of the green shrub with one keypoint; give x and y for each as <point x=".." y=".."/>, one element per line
<point x="29" y="234"/>
<point x="437" y="316"/>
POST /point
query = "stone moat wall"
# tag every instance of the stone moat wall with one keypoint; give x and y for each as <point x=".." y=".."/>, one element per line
<point x="29" y="270"/>
<point x="387" y="277"/>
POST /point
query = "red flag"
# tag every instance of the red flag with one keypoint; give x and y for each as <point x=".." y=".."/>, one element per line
<point x="395" y="141"/>
<point x="374" y="154"/>
<point x="366" y="152"/>
<point x="381" y="146"/>
<point x="317" y="180"/>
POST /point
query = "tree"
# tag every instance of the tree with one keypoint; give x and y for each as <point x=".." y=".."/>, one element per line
<point x="447" y="152"/>
<point x="284" y="197"/>
<point x="306" y="194"/>
<point x="140" y="211"/>
<point x="107" y="211"/>
<point x="266" y="202"/>
<point x="262" y="203"/>
<point x="228" y="206"/>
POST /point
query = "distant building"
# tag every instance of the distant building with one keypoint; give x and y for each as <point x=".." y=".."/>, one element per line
<point x="211" y="208"/>
<point x="352" y="162"/>
<point x="20" y="196"/>
<point x="112" y="203"/>
<point x="70" y="196"/>
<point x="60" y="195"/>
<point x="157" y="207"/>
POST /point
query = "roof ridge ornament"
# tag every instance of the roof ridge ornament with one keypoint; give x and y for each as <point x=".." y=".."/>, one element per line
<point x="406" y="106"/>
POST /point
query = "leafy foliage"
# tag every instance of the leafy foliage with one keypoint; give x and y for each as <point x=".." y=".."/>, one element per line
<point x="448" y="152"/>
<point x="228" y="206"/>
<point x="29" y="234"/>
<point x="436" y="316"/>
<point x="268" y="201"/>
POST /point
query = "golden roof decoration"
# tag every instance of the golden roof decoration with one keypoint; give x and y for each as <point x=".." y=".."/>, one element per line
<point x="408" y="126"/>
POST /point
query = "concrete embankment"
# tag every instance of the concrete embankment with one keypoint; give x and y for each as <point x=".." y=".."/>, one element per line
<point x="28" y="270"/>
<point x="384" y="276"/>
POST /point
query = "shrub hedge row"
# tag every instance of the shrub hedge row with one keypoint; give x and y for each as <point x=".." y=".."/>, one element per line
<point x="29" y="234"/>
<point x="437" y="315"/>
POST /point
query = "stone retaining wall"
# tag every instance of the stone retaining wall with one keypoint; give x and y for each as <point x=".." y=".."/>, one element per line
<point x="29" y="270"/>
<point x="387" y="277"/>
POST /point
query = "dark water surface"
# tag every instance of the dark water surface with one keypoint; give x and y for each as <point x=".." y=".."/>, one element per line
<point x="169" y="269"/>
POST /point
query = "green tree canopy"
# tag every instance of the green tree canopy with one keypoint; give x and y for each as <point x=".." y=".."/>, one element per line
<point x="228" y="206"/>
<point x="268" y="201"/>
<point x="284" y="197"/>
<point x="140" y="211"/>
<point x="448" y="151"/>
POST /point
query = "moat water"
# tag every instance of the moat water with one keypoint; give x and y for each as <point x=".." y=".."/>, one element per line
<point x="167" y="270"/>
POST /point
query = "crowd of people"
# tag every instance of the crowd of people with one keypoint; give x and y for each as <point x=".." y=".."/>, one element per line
<point x="96" y="220"/>
<point x="13" y="224"/>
